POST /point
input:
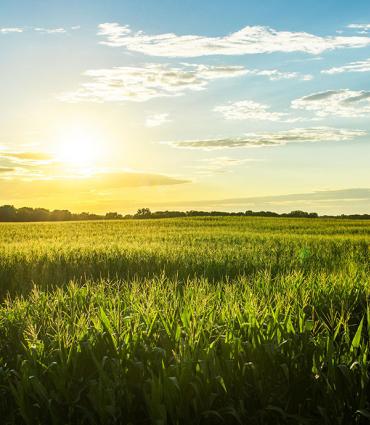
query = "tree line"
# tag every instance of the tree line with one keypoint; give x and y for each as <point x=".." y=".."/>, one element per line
<point x="8" y="213"/>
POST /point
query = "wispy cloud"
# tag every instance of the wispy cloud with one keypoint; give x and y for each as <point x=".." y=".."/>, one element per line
<point x="362" y="27"/>
<point x="343" y="103"/>
<point x="255" y="140"/>
<point x="347" y="201"/>
<point x="51" y="30"/>
<point x="271" y="74"/>
<point x="25" y="157"/>
<point x="353" y="200"/>
<point x="42" y="30"/>
<point x="31" y="187"/>
<point x="358" y="66"/>
<point x="11" y="30"/>
<point x="6" y="169"/>
<point x="25" y="164"/>
<point x="250" y="110"/>
<point x="249" y="40"/>
<point x="156" y="120"/>
<point x="220" y="164"/>
<point x="142" y="83"/>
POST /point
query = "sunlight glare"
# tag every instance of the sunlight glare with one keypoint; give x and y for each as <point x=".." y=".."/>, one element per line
<point x="78" y="148"/>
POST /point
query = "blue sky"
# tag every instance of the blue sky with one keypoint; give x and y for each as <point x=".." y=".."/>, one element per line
<point x="232" y="105"/>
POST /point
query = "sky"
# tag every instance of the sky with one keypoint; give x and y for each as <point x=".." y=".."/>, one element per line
<point x="214" y="105"/>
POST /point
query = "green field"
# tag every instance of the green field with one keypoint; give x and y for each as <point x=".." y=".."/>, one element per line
<point x="230" y="320"/>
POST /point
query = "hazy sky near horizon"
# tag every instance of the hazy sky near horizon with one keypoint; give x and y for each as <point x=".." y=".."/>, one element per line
<point x="116" y="105"/>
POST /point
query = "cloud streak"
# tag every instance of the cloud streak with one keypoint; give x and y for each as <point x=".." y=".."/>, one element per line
<point x="220" y="165"/>
<point x="6" y="169"/>
<point x="50" y="30"/>
<point x="13" y="30"/>
<point x="31" y="187"/>
<point x="353" y="200"/>
<point x="250" y="110"/>
<point x="342" y="103"/>
<point x="26" y="157"/>
<point x="364" y="27"/>
<point x="255" y="140"/>
<point x="248" y="40"/>
<point x="359" y="66"/>
<point x="156" y="120"/>
<point x="142" y="83"/>
<point x="149" y="81"/>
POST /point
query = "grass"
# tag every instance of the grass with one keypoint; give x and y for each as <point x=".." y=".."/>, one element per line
<point x="185" y="321"/>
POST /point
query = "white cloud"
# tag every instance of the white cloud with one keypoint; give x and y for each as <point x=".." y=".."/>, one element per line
<point x="11" y="30"/>
<point x="148" y="81"/>
<point x="157" y="120"/>
<point x="51" y="30"/>
<point x="275" y="75"/>
<point x="250" y="110"/>
<point x="359" y="26"/>
<point x="37" y="29"/>
<point x="254" y="140"/>
<point x="359" y="66"/>
<point x="141" y="83"/>
<point x="271" y="74"/>
<point x="342" y="103"/>
<point x="249" y="40"/>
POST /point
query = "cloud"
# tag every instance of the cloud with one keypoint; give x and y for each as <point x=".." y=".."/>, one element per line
<point x="250" y="110"/>
<point x="132" y="179"/>
<point x="276" y="75"/>
<point x="11" y="30"/>
<point x="50" y="30"/>
<point x="326" y="195"/>
<point x="59" y="30"/>
<point x="342" y="103"/>
<point x="26" y="157"/>
<point x="350" y="201"/>
<point x="6" y="169"/>
<point x="359" y="66"/>
<point x="139" y="84"/>
<point x="271" y="74"/>
<point x="157" y="120"/>
<point x="220" y="165"/>
<point x="32" y="187"/>
<point x="253" y="140"/>
<point x="26" y="164"/>
<point x="248" y="40"/>
<point x="365" y="27"/>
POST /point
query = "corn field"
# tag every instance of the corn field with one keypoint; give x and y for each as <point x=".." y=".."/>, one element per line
<point x="228" y="320"/>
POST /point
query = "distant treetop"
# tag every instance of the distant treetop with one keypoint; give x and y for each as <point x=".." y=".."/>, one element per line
<point x="8" y="213"/>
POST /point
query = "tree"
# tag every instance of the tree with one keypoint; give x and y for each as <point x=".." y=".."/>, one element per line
<point x="60" y="215"/>
<point x="113" y="216"/>
<point x="41" y="214"/>
<point x="143" y="213"/>
<point x="8" y="213"/>
<point x="25" y="214"/>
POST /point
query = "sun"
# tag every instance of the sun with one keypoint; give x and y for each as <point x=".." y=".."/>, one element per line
<point x="78" y="148"/>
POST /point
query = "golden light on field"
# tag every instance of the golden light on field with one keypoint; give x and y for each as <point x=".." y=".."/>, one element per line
<point x="78" y="147"/>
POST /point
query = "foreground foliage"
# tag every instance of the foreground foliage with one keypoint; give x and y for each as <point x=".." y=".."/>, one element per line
<point x="193" y="321"/>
